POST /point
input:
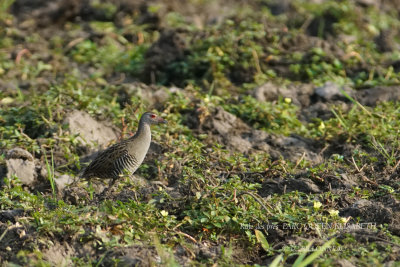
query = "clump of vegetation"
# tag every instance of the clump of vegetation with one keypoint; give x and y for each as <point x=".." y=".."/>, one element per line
<point x="205" y="203"/>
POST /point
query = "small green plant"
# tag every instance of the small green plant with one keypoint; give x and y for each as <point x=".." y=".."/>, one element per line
<point x="301" y="261"/>
<point x="276" y="261"/>
<point x="166" y="255"/>
<point x="279" y="117"/>
<point x="4" y="6"/>
<point x="202" y="202"/>
<point x="50" y="171"/>
<point x="262" y="240"/>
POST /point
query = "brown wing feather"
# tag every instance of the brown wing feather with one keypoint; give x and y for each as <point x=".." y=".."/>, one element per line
<point x="103" y="165"/>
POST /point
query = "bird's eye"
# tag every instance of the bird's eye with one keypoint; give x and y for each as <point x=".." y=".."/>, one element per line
<point x="153" y="116"/>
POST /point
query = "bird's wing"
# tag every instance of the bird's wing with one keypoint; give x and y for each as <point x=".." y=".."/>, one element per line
<point x="103" y="165"/>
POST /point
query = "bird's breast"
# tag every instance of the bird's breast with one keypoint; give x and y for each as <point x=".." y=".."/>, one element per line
<point x="139" y="149"/>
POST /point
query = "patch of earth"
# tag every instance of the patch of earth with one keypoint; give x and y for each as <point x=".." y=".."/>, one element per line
<point x="89" y="130"/>
<point x="368" y="212"/>
<point x="323" y="25"/>
<point x="59" y="254"/>
<point x="385" y="41"/>
<point x="314" y="102"/>
<point x="31" y="172"/>
<point x="299" y="93"/>
<point x="226" y="128"/>
<point x="369" y="235"/>
<point x="42" y="13"/>
<point x="21" y="163"/>
<point x="75" y="195"/>
<point x="153" y="96"/>
<point x="11" y="215"/>
<point x="58" y="11"/>
<point x="15" y="237"/>
<point x="282" y="186"/>
<point x="378" y="94"/>
<point x="317" y="102"/>
<point x="148" y="255"/>
<point x="20" y="167"/>
<point x="170" y="47"/>
<point x="138" y="255"/>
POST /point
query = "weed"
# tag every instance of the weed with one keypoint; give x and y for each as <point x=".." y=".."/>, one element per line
<point x="50" y="171"/>
<point x="211" y="211"/>
<point x="4" y="6"/>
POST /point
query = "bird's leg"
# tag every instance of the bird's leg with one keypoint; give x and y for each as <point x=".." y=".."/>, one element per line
<point x="90" y="189"/>
<point x="112" y="182"/>
<point x="105" y="191"/>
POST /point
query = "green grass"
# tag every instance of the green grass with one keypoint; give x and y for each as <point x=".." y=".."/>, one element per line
<point x="216" y="201"/>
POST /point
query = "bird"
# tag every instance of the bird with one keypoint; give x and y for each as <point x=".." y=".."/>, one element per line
<point x="125" y="156"/>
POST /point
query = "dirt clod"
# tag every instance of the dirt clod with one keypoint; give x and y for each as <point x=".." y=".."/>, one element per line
<point x="369" y="212"/>
<point x="23" y="169"/>
<point x="373" y="96"/>
<point x="62" y="181"/>
<point x="281" y="186"/>
<point x="19" y="153"/>
<point x="59" y="254"/>
<point x="281" y="113"/>
<point x="331" y="91"/>
<point x="9" y="215"/>
<point x="90" y="131"/>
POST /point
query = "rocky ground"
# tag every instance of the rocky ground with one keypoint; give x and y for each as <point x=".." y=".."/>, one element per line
<point x="281" y="148"/>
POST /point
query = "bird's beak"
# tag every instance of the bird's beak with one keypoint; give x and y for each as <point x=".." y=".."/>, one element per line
<point x="161" y="120"/>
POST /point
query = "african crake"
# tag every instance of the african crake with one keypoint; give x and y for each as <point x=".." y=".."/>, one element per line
<point x="126" y="155"/>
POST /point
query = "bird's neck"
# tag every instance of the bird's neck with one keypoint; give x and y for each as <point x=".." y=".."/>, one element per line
<point x="143" y="132"/>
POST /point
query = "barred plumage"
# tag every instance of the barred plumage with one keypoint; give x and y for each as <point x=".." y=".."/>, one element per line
<point x="126" y="155"/>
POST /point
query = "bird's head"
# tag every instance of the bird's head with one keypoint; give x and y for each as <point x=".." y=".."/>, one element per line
<point x="152" y="118"/>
